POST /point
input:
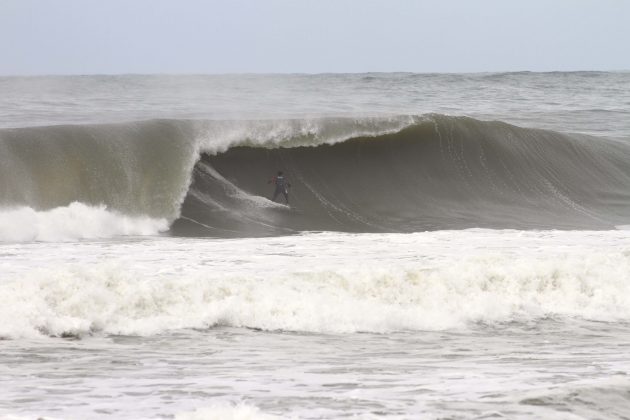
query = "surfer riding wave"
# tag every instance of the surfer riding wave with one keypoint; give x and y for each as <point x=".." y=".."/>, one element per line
<point x="282" y="186"/>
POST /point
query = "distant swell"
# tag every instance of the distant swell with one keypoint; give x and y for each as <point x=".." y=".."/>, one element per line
<point x="385" y="174"/>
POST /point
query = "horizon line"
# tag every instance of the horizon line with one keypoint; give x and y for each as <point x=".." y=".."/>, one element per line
<point x="308" y="73"/>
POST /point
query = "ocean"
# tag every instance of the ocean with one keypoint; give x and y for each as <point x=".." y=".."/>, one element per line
<point x="456" y="246"/>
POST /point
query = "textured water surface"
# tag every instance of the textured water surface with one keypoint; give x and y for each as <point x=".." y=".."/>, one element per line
<point x="456" y="246"/>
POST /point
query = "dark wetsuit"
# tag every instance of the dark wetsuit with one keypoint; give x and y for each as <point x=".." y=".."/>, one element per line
<point x="281" y="188"/>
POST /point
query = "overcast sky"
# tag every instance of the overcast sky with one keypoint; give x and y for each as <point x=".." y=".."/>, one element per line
<point x="287" y="36"/>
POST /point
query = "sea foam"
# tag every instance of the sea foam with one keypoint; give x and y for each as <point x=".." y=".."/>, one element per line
<point x="226" y="412"/>
<point x="73" y="222"/>
<point x="277" y="292"/>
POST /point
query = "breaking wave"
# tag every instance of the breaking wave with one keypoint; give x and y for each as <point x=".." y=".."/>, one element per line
<point x="372" y="174"/>
<point x="112" y="299"/>
<point x="74" y="222"/>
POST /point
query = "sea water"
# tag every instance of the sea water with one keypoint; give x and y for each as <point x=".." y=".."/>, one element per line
<point x="106" y="313"/>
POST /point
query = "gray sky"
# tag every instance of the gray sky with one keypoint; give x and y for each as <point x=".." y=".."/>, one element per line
<point x="286" y="36"/>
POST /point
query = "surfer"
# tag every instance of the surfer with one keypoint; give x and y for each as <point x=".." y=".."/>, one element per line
<point x="282" y="186"/>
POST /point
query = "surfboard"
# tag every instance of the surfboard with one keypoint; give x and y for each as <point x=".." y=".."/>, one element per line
<point x="290" y="208"/>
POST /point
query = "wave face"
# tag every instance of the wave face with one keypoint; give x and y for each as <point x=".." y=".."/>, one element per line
<point x="386" y="174"/>
<point x="139" y="169"/>
<point x="437" y="173"/>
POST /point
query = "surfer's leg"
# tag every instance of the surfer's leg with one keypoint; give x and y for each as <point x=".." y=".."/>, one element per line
<point x="275" y="195"/>
<point x="286" y="196"/>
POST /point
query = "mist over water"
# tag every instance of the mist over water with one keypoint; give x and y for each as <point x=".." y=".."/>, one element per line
<point x="586" y="102"/>
<point x="456" y="246"/>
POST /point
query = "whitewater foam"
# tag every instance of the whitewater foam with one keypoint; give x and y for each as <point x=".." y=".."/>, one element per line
<point x="290" y="284"/>
<point x="227" y="411"/>
<point x="73" y="222"/>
